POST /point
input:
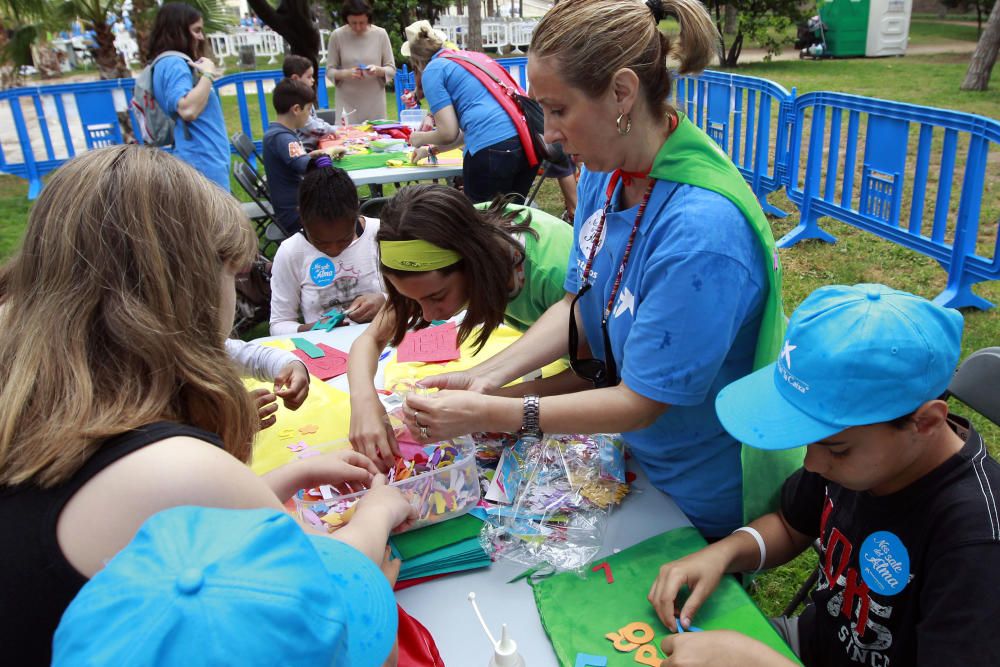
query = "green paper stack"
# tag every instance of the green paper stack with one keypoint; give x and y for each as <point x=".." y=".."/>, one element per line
<point x="578" y="613"/>
<point x="449" y="546"/>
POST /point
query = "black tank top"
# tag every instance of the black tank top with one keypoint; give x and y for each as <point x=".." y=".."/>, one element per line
<point x="37" y="583"/>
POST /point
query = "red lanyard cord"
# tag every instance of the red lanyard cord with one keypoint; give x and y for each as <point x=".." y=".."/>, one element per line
<point x="628" y="247"/>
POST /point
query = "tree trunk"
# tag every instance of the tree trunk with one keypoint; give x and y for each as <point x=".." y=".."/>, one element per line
<point x="978" y="76"/>
<point x="110" y="64"/>
<point x="734" y="51"/>
<point x="732" y="19"/>
<point x="474" y="40"/>
<point x="293" y="21"/>
<point x="142" y="27"/>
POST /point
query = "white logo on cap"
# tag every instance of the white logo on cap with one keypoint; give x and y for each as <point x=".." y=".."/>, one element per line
<point x="786" y="354"/>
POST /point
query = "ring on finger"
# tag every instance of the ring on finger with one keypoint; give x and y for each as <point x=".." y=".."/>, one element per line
<point x="423" y="432"/>
<point x="416" y="418"/>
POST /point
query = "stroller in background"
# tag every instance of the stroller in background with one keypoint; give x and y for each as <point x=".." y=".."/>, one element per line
<point x="811" y="39"/>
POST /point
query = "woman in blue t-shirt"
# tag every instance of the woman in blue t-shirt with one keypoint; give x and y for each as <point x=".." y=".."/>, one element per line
<point x="671" y="278"/>
<point x="465" y="112"/>
<point x="200" y="132"/>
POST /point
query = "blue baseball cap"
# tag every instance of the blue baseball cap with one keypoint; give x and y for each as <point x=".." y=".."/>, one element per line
<point x="852" y="356"/>
<point x="204" y="586"/>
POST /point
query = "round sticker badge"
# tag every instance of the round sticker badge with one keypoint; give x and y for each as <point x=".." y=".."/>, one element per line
<point x="588" y="232"/>
<point x="885" y="563"/>
<point x="322" y="271"/>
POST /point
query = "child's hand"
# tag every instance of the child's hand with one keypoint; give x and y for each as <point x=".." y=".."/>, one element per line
<point x="388" y="501"/>
<point x="391" y="566"/>
<point x="371" y="434"/>
<point x="338" y="468"/>
<point x="365" y="307"/>
<point x="292" y="385"/>
<point x="267" y="405"/>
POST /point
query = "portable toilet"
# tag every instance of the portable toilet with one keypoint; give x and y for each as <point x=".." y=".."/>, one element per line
<point x="866" y="27"/>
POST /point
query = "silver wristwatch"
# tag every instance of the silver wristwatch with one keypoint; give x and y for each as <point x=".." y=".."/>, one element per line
<point x="531" y="422"/>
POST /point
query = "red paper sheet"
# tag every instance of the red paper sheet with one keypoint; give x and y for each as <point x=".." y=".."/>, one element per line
<point x="430" y="345"/>
<point x="330" y="365"/>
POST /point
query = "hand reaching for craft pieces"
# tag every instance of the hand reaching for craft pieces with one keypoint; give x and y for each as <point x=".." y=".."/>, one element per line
<point x="338" y="469"/>
<point x="460" y="380"/>
<point x="267" y="404"/>
<point x="365" y="307"/>
<point x="419" y="153"/>
<point x="372" y="435"/>
<point x="699" y="572"/>
<point x="335" y="152"/>
<point x="442" y="415"/>
<point x="718" y="648"/>
<point x="386" y="504"/>
<point x="292" y="385"/>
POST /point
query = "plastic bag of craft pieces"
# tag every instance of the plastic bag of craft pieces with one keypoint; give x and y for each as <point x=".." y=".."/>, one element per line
<point x="561" y="495"/>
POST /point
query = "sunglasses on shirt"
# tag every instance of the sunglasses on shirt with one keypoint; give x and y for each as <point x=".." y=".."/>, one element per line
<point x="599" y="373"/>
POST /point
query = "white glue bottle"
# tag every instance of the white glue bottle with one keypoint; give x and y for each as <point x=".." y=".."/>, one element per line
<point x="504" y="651"/>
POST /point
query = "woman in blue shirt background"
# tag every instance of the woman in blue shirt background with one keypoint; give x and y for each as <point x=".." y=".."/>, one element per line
<point x="465" y="112"/>
<point x="200" y="133"/>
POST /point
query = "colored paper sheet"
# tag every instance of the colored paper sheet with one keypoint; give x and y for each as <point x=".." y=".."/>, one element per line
<point x="320" y="425"/>
<point x="453" y="158"/>
<point x="465" y="555"/>
<point x="425" y="540"/>
<point x="369" y="160"/>
<point x="574" y="624"/>
<point x="398" y="372"/>
<point x="330" y="365"/>
<point x="307" y="347"/>
<point x="430" y="345"/>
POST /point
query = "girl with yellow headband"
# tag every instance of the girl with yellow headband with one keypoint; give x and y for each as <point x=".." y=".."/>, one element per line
<point x="440" y="255"/>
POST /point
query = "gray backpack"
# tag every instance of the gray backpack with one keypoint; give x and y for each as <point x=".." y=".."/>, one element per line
<point x="155" y="124"/>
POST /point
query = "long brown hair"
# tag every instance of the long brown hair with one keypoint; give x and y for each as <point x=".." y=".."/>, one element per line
<point x="172" y="30"/>
<point x="592" y="40"/>
<point x="445" y="217"/>
<point x="112" y="313"/>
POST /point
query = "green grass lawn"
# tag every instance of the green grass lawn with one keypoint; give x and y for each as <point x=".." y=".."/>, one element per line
<point x="856" y="257"/>
<point x="929" y="31"/>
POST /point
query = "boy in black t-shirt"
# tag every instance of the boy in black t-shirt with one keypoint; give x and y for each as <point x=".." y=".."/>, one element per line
<point x="901" y="496"/>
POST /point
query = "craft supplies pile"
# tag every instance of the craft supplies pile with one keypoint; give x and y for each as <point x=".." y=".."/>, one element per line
<point x="377" y="143"/>
<point x="440" y="481"/>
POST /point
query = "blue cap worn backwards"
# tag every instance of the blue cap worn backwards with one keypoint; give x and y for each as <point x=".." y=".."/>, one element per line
<point x="202" y="586"/>
<point x="852" y="356"/>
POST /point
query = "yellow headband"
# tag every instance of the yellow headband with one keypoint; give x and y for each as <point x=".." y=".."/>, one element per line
<point x="416" y="255"/>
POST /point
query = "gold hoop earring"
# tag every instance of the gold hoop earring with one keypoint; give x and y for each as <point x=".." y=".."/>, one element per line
<point x="628" y="124"/>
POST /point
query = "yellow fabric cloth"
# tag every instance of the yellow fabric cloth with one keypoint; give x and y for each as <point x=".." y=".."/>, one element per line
<point x="321" y="424"/>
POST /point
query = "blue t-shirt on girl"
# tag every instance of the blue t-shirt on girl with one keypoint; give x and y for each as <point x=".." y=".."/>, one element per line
<point x="480" y="116"/>
<point x="208" y="148"/>
<point x="684" y="324"/>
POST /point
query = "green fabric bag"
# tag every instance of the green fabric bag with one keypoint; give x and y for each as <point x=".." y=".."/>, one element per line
<point x="577" y="613"/>
<point x="690" y="156"/>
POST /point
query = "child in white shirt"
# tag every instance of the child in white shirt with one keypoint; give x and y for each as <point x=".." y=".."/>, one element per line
<point x="291" y="379"/>
<point x="331" y="266"/>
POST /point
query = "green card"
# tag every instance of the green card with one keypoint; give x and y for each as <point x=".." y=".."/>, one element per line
<point x="424" y="540"/>
<point x="313" y="351"/>
<point x="578" y="613"/>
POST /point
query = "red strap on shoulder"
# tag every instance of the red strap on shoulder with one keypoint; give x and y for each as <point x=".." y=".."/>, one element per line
<point x="500" y="94"/>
